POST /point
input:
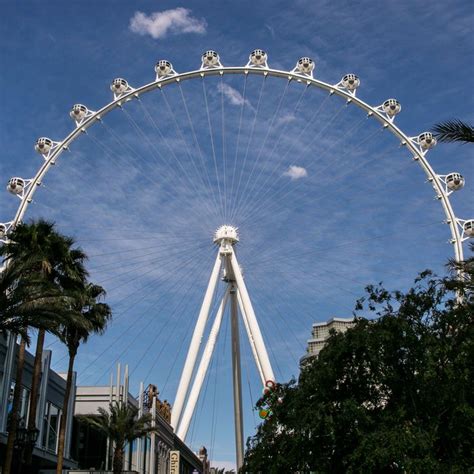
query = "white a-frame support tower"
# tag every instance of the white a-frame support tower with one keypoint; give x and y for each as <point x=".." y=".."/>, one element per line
<point x="225" y="237"/>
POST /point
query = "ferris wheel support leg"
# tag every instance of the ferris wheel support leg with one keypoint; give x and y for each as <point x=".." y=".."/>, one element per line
<point x="237" y="379"/>
<point x="195" y="344"/>
<point x="251" y="339"/>
<point x="252" y="321"/>
<point x="183" y="427"/>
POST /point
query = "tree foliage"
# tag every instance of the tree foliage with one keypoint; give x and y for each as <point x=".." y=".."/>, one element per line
<point x="395" y="393"/>
<point x="39" y="264"/>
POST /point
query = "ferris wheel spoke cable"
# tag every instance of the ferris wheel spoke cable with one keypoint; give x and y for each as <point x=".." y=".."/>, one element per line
<point x="178" y="285"/>
<point x="309" y="123"/>
<point x="163" y="251"/>
<point x="267" y="267"/>
<point x="263" y="308"/>
<point x="322" y="278"/>
<point x="161" y="284"/>
<point x="270" y="304"/>
<point x="186" y="337"/>
<point x="269" y="199"/>
<point x="188" y="150"/>
<point x="157" y="153"/>
<point x="127" y="165"/>
<point x="306" y="317"/>
<point x="305" y="310"/>
<point x="271" y="202"/>
<point x="262" y="146"/>
<point x="186" y="184"/>
<point x="249" y="141"/>
<point x="272" y="352"/>
<point x="182" y="306"/>
<point x="169" y="258"/>
<point x="236" y="154"/>
<point x="260" y="263"/>
<point x="277" y="142"/>
<point x="247" y="376"/>
<point x="152" y="283"/>
<point x="352" y="151"/>
<point x="266" y="197"/>
<point x="224" y="157"/>
<point x="136" y="249"/>
<point x="211" y="135"/>
<point x="150" y="263"/>
<point x="334" y="179"/>
<point x="216" y="405"/>
<point x="198" y="146"/>
<point x="116" y="159"/>
<point x="139" y="160"/>
<point x="200" y="402"/>
<point x="127" y="329"/>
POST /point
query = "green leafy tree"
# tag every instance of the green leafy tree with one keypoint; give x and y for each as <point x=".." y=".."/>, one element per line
<point x="392" y="394"/>
<point x="121" y="425"/>
<point x="454" y="131"/>
<point x="91" y="317"/>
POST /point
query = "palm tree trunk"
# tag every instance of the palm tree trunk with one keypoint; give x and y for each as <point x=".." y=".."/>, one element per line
<point x="118" y="459"/>
<point x="35" y="384"/>
<point x="62" y="427"/>
<point x="13" y="422"/>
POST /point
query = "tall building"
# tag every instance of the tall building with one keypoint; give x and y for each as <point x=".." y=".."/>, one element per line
<point x="320" y="334"/>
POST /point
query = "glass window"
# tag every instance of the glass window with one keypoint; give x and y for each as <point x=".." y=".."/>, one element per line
<point x="45" y="426"/>
<point x="51" y="420"/>
<point x="54" y="415"/>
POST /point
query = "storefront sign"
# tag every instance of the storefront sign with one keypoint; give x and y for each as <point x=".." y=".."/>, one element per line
<point x="174" y="462"/>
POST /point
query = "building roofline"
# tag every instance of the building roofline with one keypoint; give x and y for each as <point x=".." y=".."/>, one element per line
<point x="337" y="320"/>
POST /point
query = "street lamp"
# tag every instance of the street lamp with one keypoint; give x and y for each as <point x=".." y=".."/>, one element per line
<point x="24" y="437"/>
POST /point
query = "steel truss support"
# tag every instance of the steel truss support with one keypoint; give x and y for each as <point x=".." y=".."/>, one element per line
<point x="237" y="292"/>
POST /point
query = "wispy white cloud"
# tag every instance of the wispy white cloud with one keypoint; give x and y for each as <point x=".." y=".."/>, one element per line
<point x="286" y="118"/>
<point x="173" y="21"/>
<point x="232" y="95"/>
<point x="295" y="172"/>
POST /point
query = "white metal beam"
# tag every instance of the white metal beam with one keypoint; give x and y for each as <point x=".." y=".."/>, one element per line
<point x="251" y="339"/>
<point x="252" y="320"/>
<point x="183" y="426"/>
<point x="195" y="344"/>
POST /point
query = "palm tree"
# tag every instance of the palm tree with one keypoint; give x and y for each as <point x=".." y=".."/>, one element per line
<point x="454" y="131"/>
<point x="23" y="303"/>
<point x="92" y="319"/>
<point x="40" y="253"/>
<point x="26" y="302"/>
<point x="121" y="425"/>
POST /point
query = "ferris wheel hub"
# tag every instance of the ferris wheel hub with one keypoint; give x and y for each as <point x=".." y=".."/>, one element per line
<point x="226" y="234"/>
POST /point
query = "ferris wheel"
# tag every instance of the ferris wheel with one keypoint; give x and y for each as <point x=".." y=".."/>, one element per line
<point x="250" y="156"/>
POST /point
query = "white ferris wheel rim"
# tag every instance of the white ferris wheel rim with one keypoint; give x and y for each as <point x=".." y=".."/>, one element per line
<point x="91" y="117"/>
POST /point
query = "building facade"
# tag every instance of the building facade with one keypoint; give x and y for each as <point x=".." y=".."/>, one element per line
<point x="86" y="448"/>
<point x="50" y="404"/>
<point x="321" y="332"/>
<point x="148" y="455"/>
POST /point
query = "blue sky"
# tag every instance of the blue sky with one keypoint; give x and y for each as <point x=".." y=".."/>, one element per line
<point x="332" y="203"/>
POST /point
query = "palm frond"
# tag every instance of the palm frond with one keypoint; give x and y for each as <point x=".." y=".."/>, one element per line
<point x="454" y="131"/>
